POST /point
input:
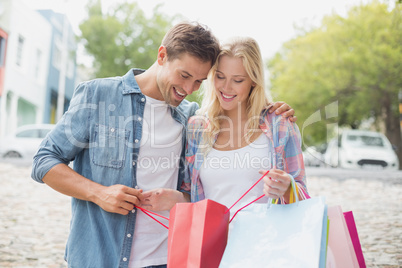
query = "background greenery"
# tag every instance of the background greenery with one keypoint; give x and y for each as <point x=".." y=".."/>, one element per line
<point x="345" y="72"/>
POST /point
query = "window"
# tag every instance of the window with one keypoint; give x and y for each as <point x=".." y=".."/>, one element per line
<point x="70" y="69"/>
<point x="57" y="54"/>
<point x="30" y="133"/>
<point x="364" y="140"/>
<point x="20" y="48"/>
<point x="38" y="62"/>
<point x="2" y="51"/>
<point x="43" y="133"/>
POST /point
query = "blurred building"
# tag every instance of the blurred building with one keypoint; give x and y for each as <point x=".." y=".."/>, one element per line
<point x="37" y="65"/>
<point x="62" y="66"/>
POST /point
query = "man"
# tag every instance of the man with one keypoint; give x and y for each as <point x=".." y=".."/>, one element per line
<point x="108" y="122"/>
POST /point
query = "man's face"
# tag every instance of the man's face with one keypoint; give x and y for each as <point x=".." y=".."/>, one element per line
<point x="180" y="77"/>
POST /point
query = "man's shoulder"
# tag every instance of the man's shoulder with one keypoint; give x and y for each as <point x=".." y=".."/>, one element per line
<point x="100" y="83"/>
<point x="103" y="88"/>
<point x="105" y="82"/>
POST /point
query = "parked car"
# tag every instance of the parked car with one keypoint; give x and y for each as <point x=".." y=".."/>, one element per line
<point x="313" y="157"/>
<point x="25" y="141"/>
<point x="361" y="149"/>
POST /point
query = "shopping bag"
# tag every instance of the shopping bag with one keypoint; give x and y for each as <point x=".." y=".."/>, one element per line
<point x="350" y="222"/>
<point x="340" y="252"/>
<point x="292" y="235"/>
<point x="197" y="234"/>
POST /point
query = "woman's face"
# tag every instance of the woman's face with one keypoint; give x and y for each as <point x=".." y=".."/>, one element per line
<point x="232" y="83"/>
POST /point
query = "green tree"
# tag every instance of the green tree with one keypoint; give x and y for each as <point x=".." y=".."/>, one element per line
<point x="123" y="37"/>
<point x="354" y="61"/>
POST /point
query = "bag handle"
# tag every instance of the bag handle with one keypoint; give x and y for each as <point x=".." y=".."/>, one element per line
<point x="293" y="196"/>
<point x="247" y="193"/>
<point x="147" y="212"/>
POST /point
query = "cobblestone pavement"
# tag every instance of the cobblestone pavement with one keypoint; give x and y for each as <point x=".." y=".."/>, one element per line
<point x="34" y="219"/>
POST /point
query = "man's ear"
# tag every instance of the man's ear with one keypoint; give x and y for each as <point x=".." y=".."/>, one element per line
<point x="162" y="55"/>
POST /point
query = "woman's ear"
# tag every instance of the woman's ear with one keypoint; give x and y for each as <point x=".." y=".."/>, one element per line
<point x="162" y="55"/>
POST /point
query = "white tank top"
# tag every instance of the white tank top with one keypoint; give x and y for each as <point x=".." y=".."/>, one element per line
<point x="227" y="175"/>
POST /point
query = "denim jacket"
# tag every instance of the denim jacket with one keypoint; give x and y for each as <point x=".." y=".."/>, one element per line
<point x="101" y="133"/>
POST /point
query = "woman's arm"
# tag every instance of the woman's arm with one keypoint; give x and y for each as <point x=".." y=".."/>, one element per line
<point x="289" y="163"/>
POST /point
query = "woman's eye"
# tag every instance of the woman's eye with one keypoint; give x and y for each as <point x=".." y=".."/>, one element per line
<point x="238" y="81"/>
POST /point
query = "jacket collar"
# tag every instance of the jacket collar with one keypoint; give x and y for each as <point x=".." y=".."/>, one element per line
<point x="129" y="83"/>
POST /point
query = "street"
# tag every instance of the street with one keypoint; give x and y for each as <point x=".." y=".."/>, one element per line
<point x="34" y="219"/>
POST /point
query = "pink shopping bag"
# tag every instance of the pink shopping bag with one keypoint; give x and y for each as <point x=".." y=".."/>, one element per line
<point x="350" y="222"/>
<point x="340" y="250"/>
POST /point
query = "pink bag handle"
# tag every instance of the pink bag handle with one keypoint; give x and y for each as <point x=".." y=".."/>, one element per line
<point x="245" y="207"/>
<point x="247" y="192"/>
<point x="244" y="195"/>
<point x="147" y="212"/>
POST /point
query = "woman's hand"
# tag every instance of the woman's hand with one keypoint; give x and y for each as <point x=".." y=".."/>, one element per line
<point x="276" y="184"/>
<point x="162" y="199"/>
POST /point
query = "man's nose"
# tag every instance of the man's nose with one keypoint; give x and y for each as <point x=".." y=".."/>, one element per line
<point x="189" y="88"/>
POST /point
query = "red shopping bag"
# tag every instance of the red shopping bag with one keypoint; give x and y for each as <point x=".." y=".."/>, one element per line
<point x="197" y="234"/>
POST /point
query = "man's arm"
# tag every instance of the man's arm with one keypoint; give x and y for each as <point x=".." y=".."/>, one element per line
<point x="63" y="144"/>
<point x="116" y="198"/>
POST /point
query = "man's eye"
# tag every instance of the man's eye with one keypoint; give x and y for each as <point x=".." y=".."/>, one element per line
<point x="184" y="76"/>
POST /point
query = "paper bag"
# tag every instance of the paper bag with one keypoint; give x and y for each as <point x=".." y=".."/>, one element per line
<point x="340" y="251"/>
<point x="197" y="234"/>
<point x="289" y="235"/>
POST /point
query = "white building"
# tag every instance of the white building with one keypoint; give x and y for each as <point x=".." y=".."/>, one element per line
<point x="27" y="66"/>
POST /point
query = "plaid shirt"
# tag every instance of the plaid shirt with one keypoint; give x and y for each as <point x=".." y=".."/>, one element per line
<point x="284" y="147"/>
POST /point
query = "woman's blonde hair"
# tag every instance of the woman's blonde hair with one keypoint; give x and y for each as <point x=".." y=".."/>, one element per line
<point x="248" y="51"/>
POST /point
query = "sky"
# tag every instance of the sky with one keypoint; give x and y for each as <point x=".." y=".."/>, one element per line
<point x="270" y="22"/>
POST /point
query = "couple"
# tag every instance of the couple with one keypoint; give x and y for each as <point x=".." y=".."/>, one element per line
<point x="113" y="124"/>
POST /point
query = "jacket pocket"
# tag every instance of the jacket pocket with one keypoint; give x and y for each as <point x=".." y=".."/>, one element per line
<point x="110" y="146"/>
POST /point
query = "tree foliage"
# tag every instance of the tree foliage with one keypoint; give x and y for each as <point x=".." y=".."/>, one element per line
<point x="123" y="37"/>
<point x="353" y="62"/>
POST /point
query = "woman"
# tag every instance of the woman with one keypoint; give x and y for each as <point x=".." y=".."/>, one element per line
<point x="233" y="140"/>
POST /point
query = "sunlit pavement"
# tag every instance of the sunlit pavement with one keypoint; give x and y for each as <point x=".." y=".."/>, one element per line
<point x="34" y="219"/>
<point x="375" y="197"/>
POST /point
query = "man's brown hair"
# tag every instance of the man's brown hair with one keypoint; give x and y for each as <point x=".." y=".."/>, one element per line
<point x="192" y="38"/>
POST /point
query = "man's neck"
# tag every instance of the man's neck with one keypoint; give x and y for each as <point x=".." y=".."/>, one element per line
<point x="147" y="83"/>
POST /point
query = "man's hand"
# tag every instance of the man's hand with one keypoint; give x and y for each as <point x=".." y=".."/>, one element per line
<point x="283" y="108"/>
<point x="119" y="198"/>
<point x="163" y="199"/>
